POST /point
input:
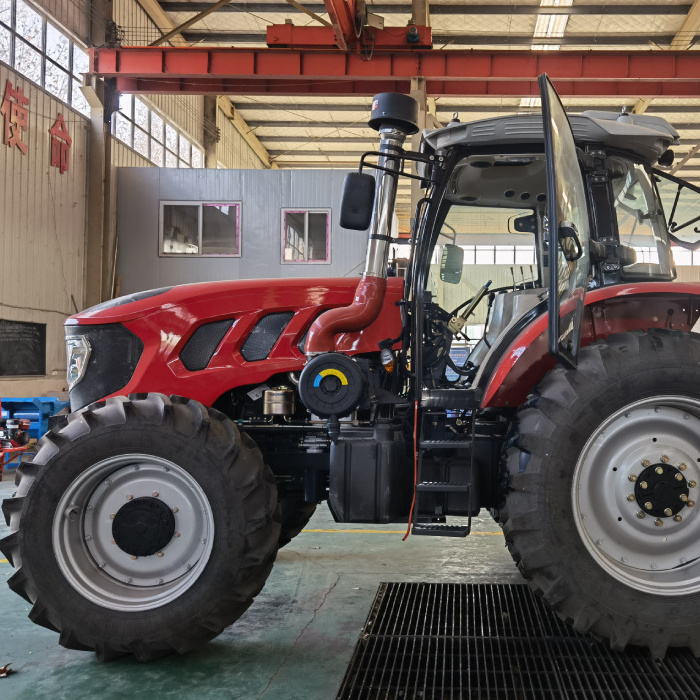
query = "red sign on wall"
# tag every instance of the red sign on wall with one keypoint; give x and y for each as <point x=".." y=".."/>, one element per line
<point x="14" y="109"/>
<point x="60" y="145"/>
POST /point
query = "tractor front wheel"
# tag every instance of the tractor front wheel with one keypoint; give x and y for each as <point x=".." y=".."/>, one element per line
<point x="144" y="525"/>
<point x="602" y="506"/>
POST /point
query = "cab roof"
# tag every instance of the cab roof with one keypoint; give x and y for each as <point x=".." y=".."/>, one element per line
<point x="645" y="136"/>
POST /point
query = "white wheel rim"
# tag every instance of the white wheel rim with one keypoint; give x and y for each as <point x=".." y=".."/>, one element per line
<point x="97" y="567"/>
<point x="659" y="437"/>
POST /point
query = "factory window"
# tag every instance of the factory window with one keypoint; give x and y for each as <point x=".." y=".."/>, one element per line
<point x="149" y="134"/>
<point x="43" y="53"/>
<point x="200" y="229"/>
<point x="306" y="236"/>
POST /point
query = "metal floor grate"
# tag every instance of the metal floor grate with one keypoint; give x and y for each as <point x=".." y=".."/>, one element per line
<point x="492" y="641"/>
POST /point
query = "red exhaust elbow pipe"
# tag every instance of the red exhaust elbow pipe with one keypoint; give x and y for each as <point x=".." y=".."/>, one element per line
<point x="369" y="297"/>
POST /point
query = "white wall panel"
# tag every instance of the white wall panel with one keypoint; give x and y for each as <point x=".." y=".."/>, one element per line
<point x="42" y="231"/>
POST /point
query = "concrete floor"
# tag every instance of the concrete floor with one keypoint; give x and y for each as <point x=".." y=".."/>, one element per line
<point x="294" y="643"/>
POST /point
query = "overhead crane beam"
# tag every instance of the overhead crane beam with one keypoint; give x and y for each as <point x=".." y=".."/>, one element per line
<point x="201" y="70"/>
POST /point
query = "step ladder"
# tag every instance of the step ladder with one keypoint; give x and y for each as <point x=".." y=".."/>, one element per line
<point x="440" y="529"/>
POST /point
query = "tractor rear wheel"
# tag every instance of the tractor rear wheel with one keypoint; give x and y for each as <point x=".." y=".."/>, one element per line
<point x="144" y="525"/>
<point x="602" y="506"/>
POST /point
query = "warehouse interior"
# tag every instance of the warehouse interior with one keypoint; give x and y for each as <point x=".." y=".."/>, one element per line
<point x="149" y="144"/>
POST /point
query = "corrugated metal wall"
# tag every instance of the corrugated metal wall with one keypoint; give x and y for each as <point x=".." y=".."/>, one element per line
<point x="263" y="194"/>
<point x="232" y="151"/>
<point x="125" y="157"/>
<point x="42" y="231"/>
<point x="73" y="15"/>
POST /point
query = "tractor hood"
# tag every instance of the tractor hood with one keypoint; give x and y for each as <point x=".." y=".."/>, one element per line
<point x="233" y="296"/>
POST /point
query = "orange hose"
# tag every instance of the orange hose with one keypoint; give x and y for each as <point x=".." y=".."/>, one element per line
<point x="415" y="470"/>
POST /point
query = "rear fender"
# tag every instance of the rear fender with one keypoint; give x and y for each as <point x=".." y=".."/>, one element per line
<point x="616" y="309"/>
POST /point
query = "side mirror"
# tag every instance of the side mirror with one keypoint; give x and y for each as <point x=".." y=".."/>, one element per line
<point x="451" y="264"/>
<point x="357" y="201"/>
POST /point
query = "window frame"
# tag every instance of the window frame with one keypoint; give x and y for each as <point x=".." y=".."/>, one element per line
<point x="73" y="79"/>
<point x="306" y="211"/>
<point x="200" y="204"/>
<point x="129" y="116"/>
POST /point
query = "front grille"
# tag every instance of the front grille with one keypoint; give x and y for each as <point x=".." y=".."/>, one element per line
<point x="499" y="642"/>
<point x="115" y="352"/>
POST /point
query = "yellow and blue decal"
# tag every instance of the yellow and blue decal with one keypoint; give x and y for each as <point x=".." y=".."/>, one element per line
<point x="334" y="372"/>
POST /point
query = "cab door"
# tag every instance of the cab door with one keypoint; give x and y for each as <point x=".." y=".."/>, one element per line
<point x="567" y="230"/>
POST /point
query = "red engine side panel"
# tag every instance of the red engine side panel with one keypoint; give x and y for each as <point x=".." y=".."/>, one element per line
<point x="166" y="321"/>
<point x="617" y="309"/>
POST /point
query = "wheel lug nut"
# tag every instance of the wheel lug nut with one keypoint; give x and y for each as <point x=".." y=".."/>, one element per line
<point x="111" y="516"/>
<point x="155" y="494"/>
<point x="133" y="556"/>
<point x="632" y="477"/>
<point x="175" y="509"/>
<point x="668" y="512"/>
<point x="664" y="459"/>
<point x="659" y="470"/>
<point x="648" y="505"/>
<point x="643" y="484"/>
<point x="677" y="518"/>
<point x="692" y="484"/>
<point x="177" y="534"/>
<point x="641" y="514"/>
<point x="129" y="497"/>
<point x="679" y="477"/>
<point x="690" y="504"/>
<point x="645" y="462"/>
<point x="682" y="467"/>
<point x="658" y="522"/>
<point x="630" y="497"/>
<point x="684" y="498"/>
<point x="160" y="554"/>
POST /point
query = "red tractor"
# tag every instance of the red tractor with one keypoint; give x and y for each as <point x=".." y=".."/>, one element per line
<point x="209" y="420"/>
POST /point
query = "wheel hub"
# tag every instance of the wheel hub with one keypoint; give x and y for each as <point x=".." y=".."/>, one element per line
<point x="634" y="492"/>
<point x="660" y="490"/>
<point x="143" y="526"/>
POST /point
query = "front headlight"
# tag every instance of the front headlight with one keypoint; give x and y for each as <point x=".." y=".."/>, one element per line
<point x="78" y="354"/>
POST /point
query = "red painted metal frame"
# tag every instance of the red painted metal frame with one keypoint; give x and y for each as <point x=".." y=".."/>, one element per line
<point x="343" y="14"/>
<point x="201" y="70"/>
<point x="288" y="36"/>
<point x="166" y="322"/>
<point x="617" y="309"/>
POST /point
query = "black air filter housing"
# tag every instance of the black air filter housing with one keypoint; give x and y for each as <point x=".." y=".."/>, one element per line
<point x="394" y="109"/>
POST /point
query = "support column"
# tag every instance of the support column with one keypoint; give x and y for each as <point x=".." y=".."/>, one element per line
<point x="100" y="239"/>
<point x="98" y="261"/>
<point x="210" y="137"/>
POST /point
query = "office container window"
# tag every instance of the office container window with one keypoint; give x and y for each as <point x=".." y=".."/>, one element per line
<point x="306" y="236"/>
<point x="41" y="52"/>
<point x="200" y="229"/>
